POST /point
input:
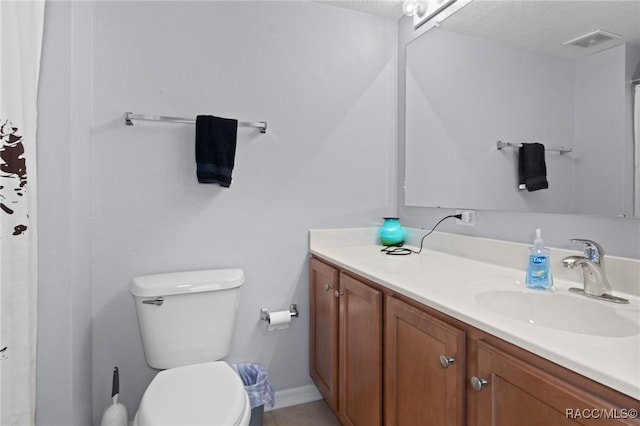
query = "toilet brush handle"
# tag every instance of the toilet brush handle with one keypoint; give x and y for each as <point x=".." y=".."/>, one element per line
<point x="115" y="387"/>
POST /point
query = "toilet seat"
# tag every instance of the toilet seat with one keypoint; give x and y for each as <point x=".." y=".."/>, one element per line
<point x="209" y="393"/>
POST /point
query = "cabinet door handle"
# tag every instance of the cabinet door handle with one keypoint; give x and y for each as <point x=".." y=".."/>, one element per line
<point x="445" y="361"/>
<point x="478" y="384"/>
<point x="327" y="287"/>
<point x="338" y="293"/>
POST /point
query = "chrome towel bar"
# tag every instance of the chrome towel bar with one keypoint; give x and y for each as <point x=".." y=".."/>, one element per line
<point x="129" y="117"/>
<point x="561" y="150"/>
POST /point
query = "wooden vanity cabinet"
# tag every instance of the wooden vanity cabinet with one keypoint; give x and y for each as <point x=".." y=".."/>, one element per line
<point x="346" y="344"/>
<point x="324" y="331"/>
<point x="424" y="368"/>
<point x="505" y="390"/>
<point x="360" y="366"/>
<point x="430" y="362"/>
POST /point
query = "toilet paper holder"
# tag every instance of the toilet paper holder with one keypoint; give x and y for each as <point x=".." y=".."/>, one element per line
<point x="293" y="311"/>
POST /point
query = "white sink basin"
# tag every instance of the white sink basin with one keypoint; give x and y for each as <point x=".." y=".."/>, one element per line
<point x="560" y="311"/>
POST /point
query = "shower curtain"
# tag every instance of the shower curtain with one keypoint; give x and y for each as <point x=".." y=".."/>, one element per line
<point x="21" y="29"/>
<point x="636" y="166"/>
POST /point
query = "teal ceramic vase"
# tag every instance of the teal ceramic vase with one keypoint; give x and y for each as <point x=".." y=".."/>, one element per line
<point x="391" y="232"/>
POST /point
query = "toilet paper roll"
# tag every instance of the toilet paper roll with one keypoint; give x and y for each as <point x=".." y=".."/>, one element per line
<point x="279" y="320"/>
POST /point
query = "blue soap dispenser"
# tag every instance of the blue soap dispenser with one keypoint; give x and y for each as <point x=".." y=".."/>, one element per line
<point x="539" y="270"/>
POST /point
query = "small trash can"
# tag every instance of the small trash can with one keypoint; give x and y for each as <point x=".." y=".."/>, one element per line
<point x="260" y="391"/>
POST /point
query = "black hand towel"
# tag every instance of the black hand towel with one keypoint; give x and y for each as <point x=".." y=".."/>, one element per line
<point x="215" y="149"/>
<point x="532" y="168"/>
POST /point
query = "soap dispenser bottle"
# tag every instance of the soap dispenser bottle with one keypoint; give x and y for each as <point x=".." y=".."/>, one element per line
<point x="539" y="270"/>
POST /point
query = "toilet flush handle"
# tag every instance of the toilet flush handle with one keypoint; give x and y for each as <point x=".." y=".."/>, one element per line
<point x="158" y="301"/>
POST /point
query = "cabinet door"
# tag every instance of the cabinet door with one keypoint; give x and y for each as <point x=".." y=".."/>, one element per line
<point x="518" y="393"/>
<point x="420" y="388"/>
<point x="360" y="353"/>
<point x="324" y="331"/>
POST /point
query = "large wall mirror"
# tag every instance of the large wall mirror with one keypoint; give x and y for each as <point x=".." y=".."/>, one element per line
<point x="502" y="71"/>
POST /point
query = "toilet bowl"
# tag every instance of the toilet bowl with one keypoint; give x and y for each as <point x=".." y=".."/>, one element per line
<point x="209" y="393"/>
<point x="186" y="322"/>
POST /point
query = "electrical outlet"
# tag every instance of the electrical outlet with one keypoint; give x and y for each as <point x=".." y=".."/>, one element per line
<point x="468" y="217"/>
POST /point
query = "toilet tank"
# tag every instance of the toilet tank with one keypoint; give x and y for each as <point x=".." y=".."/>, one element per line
<point x="187" y="317"/>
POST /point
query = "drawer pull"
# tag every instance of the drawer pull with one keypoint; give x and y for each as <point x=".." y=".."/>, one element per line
<point x="478" y="384"/>
<point x="327" y="287"/>
<point x="445" y="361"/>
<point x="338" y="293"/>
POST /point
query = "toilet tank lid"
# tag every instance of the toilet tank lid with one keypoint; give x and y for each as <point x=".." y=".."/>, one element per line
<point x="186" y="282"/>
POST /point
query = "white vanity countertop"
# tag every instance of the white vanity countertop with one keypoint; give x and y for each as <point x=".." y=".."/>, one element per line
<point x="449" y="283"/>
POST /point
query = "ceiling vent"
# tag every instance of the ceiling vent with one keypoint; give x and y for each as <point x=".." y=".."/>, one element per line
<point x="592" y="39"/>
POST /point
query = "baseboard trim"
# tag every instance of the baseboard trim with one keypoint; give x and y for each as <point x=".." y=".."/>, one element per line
<point x="295" y="396"/>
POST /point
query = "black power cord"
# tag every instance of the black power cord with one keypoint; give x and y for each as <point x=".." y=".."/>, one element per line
<point x="398" y="250"/>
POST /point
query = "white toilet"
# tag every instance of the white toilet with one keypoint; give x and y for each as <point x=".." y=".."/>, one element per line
<point x="186" y="322"/>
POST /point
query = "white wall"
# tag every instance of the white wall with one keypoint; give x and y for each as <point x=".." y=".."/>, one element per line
<point x="63" y="383"/>
<point x="325" y="81"/>
<point x="600" y="132"/>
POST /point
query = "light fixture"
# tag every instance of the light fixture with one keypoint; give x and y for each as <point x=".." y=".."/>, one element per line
<point x="423" y="10"/>
<point x="413" y="8"/>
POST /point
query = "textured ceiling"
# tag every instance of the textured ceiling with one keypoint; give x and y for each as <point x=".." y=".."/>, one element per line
<point x="545" y="25"/>
<point x="389" y="8"/>
<point x="538" y="25"/>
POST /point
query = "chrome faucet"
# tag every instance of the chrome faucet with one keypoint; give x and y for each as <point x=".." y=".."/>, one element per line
<point x="592" y="250"/>
<point x="596" y="283"/>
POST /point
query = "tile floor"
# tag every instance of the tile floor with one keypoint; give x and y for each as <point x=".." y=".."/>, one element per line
<point x="315" y="413"/>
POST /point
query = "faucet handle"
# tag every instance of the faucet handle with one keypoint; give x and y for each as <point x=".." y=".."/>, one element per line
<point x="592" y="250"/>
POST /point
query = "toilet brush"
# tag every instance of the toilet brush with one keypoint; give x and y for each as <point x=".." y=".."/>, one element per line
<point x="116" y="413"/>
